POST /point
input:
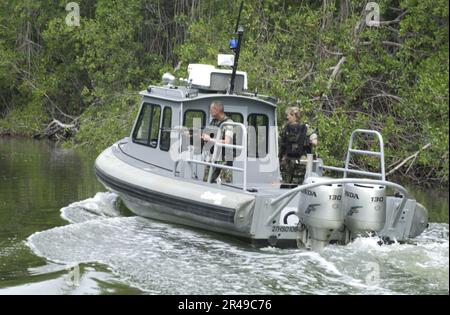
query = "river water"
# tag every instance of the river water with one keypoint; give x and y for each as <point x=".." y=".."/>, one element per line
<point x="61" y="233"/>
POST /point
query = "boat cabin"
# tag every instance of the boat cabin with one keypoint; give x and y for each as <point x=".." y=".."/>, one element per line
<point x="167" y="132"/>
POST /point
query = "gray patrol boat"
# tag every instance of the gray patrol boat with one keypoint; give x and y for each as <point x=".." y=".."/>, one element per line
<point x="159" y="171"/>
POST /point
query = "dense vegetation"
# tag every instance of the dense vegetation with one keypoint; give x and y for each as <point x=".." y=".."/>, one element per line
<point x="80" y="82"/>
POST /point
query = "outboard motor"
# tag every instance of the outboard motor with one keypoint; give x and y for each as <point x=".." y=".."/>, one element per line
<point x="365" y="209"/>
<point x="320" y="213"/>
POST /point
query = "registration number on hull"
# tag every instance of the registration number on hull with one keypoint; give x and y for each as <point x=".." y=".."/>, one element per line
<point x="284" y="229"/>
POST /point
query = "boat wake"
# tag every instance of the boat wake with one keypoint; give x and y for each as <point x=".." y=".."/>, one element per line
<point x="101" y="206"/>
<point x="160" y="258"/>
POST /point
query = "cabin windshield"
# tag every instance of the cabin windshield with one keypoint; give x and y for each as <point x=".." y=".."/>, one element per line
<point x="147" y="128"/>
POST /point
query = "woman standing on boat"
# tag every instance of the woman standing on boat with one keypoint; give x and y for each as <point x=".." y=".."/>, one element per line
<point x="217" y="112"/>
<point x="296" y="142"/>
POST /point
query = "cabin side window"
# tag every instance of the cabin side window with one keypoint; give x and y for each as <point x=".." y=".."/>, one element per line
<point x="147" y="127"/>
<point x="258" y="135"/>
<point x="195" y="121"/>
<point x="155" y="126"/>
<point x="236" y="117"/>
<point x="237" y="136"/>
<point x="165" y="130"/>
<point x="192" y="119"/>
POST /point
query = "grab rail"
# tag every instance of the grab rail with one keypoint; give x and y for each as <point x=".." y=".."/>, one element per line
<point x="218" y="146"/>
<point x="379" y="154"/>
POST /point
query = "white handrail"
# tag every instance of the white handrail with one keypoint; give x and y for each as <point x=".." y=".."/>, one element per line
<point x="218" y="145"/>
<point x="243" y="147"/>
<point x="216" y="165"/>
<point x="379" y="154"/>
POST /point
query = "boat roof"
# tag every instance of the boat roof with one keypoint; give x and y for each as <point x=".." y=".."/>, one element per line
<point x="184" y="94"/>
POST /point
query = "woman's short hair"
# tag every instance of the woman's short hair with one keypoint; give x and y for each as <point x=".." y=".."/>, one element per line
<point x="294" y="111"/>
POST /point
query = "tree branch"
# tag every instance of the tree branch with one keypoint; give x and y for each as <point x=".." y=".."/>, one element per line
<point x="397" y="20"/>
<point x="336" y="71"/>
<point x="412" y="157"/>
<point x="386" y="95"/>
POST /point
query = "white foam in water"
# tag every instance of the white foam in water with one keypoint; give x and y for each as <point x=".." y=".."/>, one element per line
<point x="102" y="205"/>
<point x="423" y="265"/>
<point x="160" y="258"/>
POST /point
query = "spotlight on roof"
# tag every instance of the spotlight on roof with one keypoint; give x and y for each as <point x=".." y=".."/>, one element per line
<point x="168" y="79"/>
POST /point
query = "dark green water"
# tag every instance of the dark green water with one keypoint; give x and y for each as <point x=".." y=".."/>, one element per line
<point x="122" y="254"/>
<point x="37" y="179"/>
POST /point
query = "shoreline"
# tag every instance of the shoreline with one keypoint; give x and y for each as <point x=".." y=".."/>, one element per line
<point x="69" y="144"/>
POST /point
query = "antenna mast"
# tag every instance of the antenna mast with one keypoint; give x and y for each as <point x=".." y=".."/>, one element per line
<point x="235" y="45"/>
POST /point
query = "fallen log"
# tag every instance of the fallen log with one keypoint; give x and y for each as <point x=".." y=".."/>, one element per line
<point x="57" y="129"/>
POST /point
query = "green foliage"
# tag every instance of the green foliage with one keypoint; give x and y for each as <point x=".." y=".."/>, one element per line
<point x="319" y="55"/>
<point x="103" y="125"/>
<point x="394" y="78"/>
<point x="26" y="121"/>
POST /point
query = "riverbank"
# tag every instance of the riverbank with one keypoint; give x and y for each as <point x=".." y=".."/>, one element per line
<point x="96" y="128"/>
<point x="100" y="127"/>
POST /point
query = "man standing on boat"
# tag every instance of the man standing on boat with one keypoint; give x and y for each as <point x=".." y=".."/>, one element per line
<point x="217" y="112"/>
<point x="296" y="142"/>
